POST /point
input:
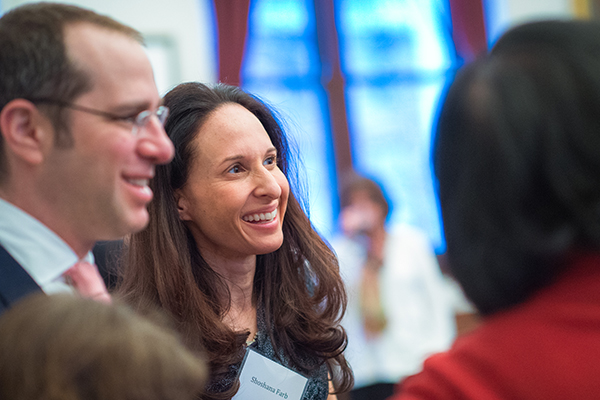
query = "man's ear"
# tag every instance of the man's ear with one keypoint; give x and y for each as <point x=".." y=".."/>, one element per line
<point x="182" y="206"/>
<point x="26" y="131"/>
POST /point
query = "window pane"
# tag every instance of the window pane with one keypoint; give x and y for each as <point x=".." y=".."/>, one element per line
<point x="396" y="55"/>
<point x="281" y="41"/>
<point x="379" y="37"/>
<point x="391" y="141"/>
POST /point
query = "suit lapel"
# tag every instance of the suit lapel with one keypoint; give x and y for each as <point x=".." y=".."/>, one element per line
<point x="15" y="282"/>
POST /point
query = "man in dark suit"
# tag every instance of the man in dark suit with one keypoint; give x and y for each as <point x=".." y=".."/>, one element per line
<point x="81" y="127"/>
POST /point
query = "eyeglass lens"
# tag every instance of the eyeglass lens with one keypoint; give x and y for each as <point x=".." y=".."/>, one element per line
<point x="143" y="118"/>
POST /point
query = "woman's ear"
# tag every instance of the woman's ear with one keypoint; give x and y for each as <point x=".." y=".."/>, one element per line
<point x="182" y="206"/>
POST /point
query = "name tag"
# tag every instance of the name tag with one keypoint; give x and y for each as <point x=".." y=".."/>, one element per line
<point x="262" y="378"/>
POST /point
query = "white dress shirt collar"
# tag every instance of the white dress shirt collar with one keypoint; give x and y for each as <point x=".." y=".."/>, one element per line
<point x="42" y="253"/>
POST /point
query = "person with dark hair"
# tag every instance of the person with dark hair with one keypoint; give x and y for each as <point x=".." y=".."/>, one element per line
<point x="517" y="156"/>
<point x="62" y="347"/>
<point x="398" y="313"/>
<point x="230" y="253"/>
<point x="81" y="131"/>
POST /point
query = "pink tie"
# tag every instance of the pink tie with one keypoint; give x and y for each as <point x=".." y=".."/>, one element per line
<point x="86" y="279"/>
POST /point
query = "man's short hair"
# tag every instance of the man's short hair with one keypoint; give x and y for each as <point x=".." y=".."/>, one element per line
<point x="34" y="63"/>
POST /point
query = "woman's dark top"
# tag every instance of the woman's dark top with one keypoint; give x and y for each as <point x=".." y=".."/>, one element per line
<point x="317" y="387"/>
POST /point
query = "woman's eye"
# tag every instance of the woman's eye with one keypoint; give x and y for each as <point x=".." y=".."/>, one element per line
<point x="270" y="161"/>
<point x="234" y="170"/>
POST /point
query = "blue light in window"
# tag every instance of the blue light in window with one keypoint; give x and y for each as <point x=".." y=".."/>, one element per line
<point x="281" y="41"/>
<point x="396" y="55"/>
<point x="287" y="18"/>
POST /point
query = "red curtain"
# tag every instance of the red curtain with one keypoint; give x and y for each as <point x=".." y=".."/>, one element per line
<point x="232" y="28"/>
<point x="468" y="28"/>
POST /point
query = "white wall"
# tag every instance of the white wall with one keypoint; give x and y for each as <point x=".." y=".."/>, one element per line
<point x="180" y="34"/>
<point x="502" y="14"/>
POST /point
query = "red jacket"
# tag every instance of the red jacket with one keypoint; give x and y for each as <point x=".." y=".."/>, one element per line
<point x="546" y="348"/>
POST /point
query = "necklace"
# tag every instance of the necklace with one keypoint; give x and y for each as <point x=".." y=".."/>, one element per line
<point x="249" y="342"/>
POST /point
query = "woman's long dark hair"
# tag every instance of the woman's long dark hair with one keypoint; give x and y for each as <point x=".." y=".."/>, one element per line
<point x="298" y="285"/>
<point x="517" y="157"/>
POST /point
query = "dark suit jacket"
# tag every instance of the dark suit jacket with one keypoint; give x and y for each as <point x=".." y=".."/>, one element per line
<point x="108" y="260"/>
<point x="15" y="282"/>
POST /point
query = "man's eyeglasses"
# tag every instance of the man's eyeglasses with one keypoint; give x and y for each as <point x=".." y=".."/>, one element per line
<point x="138" y="121"/>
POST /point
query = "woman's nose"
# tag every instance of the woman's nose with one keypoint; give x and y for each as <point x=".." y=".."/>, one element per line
<point x="267" y="184"/>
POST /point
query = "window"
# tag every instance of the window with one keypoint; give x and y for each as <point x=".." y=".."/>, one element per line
<point x="395" y="57"/>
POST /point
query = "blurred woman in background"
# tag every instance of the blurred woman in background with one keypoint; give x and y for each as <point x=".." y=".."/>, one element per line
<point x="517" y="156"/>
<point x="398" y="311"/>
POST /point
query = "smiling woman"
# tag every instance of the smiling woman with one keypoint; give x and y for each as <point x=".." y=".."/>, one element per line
<point x="230" y="253"/>
<point x="233" y="183"/>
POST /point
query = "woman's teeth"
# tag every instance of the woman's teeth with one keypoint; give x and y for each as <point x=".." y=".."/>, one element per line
<point x="260" y="217"/>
